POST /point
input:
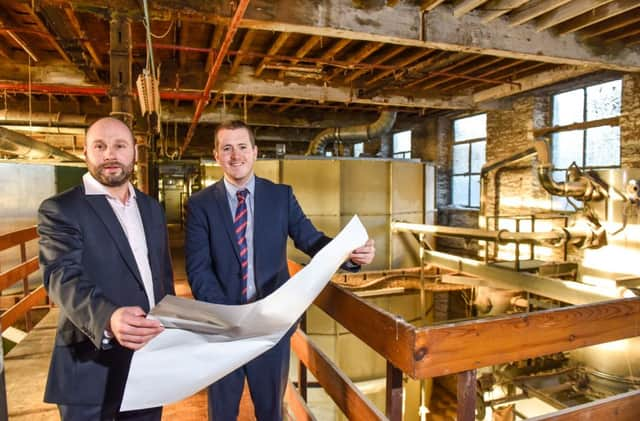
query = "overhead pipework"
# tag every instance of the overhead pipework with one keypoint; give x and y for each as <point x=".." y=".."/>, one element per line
<point x="353" y="134"/>
<point x="578" y="185"/>
<point x="24" y="146"/>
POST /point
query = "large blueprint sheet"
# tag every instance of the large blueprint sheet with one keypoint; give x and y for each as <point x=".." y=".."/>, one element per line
<point x="203" y="342"/>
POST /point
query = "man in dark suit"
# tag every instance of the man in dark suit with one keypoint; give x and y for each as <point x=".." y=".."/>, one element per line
<point x="105" y="260"/>
<point x="236" y="243"/>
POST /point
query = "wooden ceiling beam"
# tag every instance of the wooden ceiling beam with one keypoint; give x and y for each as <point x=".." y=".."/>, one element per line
<point x="530" y="82"/>
<point x="245" y="82"/>
<point x="308" y="45"/>
<point x="566" y="12"/>
<point x="82" y="36"/>
<point x="599" y="14"/>
<point x="527" y="12"/>
<point x="365" y="52"/>
<point x="246" y="44"/>
<point x="441" y="31"/>
<point x="487" y="63"/>
<point x="214" y="45"/>
<point x="465" y="6"/>
<point x="400" y="64"/>
<point x="610" y="25"/>
<point x="428" y="5"/>
<point x="380" y="60"/>
<point x="277" y="44"/>
<point x="496" y="8"/>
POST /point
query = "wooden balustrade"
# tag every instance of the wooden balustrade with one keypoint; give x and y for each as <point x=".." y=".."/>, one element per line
<point x="462" y="347"/>
<point x="20" y="272"/>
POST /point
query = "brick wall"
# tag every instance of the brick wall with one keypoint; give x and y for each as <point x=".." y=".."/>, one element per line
<point x="630" y="122"/>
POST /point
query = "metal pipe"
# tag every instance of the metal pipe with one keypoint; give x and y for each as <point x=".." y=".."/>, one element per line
<point x="566" y="291"/>
<point x="581" y="235"/>
<point x="213" y="73"/>
<point x="98" y="90"/>
<point x="21" y="145"/>
<point x="578" y="185"/>
<point x="353" y="134"/>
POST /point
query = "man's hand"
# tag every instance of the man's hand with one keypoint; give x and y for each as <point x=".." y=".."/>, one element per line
<point x="365" y="254"/>
<point x="132" y="329"/>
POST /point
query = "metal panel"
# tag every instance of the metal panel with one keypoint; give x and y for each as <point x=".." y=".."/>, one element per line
<point x="316" y="184"/>
<point x="268" y="168"/>
<point x="407" y="188"/>
<point x="365" y="187"/>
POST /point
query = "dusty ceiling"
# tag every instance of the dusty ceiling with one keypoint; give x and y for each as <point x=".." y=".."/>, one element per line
<point x="293" y="67"/>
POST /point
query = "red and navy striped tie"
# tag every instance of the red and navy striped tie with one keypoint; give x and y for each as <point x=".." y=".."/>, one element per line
<point x="240" y="226"/>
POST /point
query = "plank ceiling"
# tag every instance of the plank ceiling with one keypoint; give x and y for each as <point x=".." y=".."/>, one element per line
<point x="309" y="64"/>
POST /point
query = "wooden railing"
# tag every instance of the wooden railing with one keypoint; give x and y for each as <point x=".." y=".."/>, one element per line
<point x="462" y="347"/>
<point x="19" y="273"/>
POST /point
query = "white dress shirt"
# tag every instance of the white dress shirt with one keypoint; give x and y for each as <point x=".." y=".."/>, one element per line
<point x="130" y="220"/>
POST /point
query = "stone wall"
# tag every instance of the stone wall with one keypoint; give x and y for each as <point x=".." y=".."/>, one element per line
<point x="514" y="190"/>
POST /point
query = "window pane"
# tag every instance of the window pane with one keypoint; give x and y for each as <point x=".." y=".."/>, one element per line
<point x="474" y="185"/>
<point x="568" y="108"/>
<point x="559" y="202"/>
<point x="461" y="158"/>
<point x="358" y="148"/>
<point x="460" y="190"/>
<point x="566" y="147"/>
<point x="474" y="127"/>
<point x="603" y="100"/>
<point x="477" y="156"/>
<point x="603" y="146"/>
<point x="402" y="141"/>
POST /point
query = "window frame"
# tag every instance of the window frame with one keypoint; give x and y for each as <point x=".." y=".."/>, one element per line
<point x="585" y="100"/>
<point x="401" y="154"/>
<point x="469" y="173"/>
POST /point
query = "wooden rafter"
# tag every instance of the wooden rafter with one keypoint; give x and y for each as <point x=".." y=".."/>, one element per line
<point x="82" y="36"/>
<point x="427" y="5"/>
<point x="528" y="12"/>
<point x="497" y="8"/>
<point x="246" y="44"/>
<point x="216" y="39"/>
<point x="599" y="14"/>
<point x="400" y="64"/>
<point x="487" y="63"/>
<point x="380" y="60"/>
<point x="610" y="25"/>
<point x="465" y="6"/>
<point x="566" y="12"/>
<point x="277" y="44"/>
<point x="365" y="52"/>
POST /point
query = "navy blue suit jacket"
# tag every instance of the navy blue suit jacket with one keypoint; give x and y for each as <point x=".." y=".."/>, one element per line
<point x="89" y="271"/>
<point x="212" y="254"/>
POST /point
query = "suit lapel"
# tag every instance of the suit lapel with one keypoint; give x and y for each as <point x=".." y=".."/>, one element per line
<point x="107" y="216"/>
<point x="144" y="206"/>
<point x="220" y="196"/>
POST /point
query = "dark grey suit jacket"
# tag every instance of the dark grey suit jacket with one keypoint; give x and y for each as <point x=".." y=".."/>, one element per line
<point x="89" y="271"/>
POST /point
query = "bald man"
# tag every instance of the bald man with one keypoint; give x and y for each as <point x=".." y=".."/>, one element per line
<point x="105" y="260"/>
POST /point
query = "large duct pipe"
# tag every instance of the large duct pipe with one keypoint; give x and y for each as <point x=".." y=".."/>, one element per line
<point x="578" y="185"/>
<point x="24" y="146"/>
<point x="353" y="134"/>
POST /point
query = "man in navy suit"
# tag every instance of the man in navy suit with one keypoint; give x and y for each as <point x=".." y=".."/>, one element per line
<point x="105" y="260"/>
<point x="235" y="245"/>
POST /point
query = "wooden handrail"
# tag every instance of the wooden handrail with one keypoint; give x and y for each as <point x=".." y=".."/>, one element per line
<point x="337" y="385"/>
<point x="622" y="407"/>
<point x="434" y="351"/>
<point x="17" y="273"/>
<point x="18" y="310"/>
<point x="15" y="238"/>
<point x="297" y="405"/>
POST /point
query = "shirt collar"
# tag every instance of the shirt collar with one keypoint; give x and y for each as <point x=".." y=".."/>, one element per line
<point x="232" y="189"/>
<point x="94" y="187"/>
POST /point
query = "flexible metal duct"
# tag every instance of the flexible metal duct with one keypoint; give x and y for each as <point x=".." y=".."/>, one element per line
<point x="25" y="146"/>
<point x="353" y="134"/>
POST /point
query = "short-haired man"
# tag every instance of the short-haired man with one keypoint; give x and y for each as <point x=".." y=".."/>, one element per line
<point x="235" y="244"/>
<point x="105" y="260"/>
